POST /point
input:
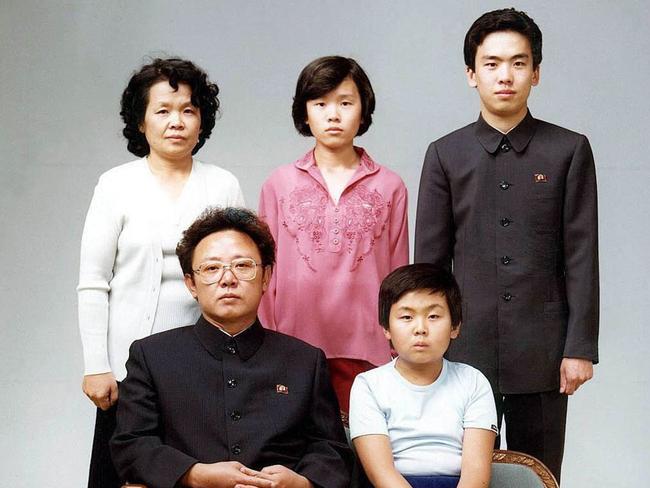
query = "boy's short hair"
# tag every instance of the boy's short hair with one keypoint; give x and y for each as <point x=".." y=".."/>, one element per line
<point x="421" y="276"/>
<point x="507" y="19"/>
<point x="323" y="75"/>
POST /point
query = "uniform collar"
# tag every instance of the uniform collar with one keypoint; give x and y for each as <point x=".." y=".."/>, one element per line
<point x="519" y="136"/>
<point x="217" y="343"/>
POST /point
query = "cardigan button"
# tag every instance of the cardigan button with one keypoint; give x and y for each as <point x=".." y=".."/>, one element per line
<point x="232" y="383"/>
<point x="236" y="449"/>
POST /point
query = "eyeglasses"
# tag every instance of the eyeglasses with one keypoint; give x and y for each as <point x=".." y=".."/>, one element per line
<point x="244" y="269"/>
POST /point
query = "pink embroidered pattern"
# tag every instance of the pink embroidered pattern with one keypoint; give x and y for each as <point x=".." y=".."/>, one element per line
<point x="363" y="217"/>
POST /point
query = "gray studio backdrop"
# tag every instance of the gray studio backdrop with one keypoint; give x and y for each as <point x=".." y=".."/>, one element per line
<point x="65" y="63"/>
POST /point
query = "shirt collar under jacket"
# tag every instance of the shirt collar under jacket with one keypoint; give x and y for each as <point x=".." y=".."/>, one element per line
<point x="519" y="136"/>
<point x="217" y="343"/>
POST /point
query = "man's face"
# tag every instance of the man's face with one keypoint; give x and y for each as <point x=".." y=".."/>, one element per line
<point x="230" y="303"/>
<point x="503" y="75"/>
<point x="419" y="327"/>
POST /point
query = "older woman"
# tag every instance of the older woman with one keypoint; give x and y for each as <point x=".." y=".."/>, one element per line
<point x="130" y="281"/>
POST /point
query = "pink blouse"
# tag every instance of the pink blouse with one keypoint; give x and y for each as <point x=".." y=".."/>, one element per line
<point x="331" y="258"/>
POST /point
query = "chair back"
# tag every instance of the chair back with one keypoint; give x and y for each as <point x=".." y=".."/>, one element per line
<point x="512" y="469"/>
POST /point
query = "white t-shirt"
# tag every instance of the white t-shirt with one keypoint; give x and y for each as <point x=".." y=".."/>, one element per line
<point x="425" y="424"/>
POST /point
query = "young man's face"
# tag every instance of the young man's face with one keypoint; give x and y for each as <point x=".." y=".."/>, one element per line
<point x="334" y="118"/>
<point x="503" y="75"/>
<point x="419" y="327"/>
<point x="230" y="303"/>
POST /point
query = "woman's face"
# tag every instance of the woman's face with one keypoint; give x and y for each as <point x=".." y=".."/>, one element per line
<point x="171" y="123"/>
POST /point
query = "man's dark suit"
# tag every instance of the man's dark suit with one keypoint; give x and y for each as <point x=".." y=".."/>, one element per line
<point x="517" y="217"/>
<point x="194" y="394"/>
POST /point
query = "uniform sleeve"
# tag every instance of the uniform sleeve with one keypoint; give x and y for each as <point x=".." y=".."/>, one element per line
<point x="434" y="227"/>
<point x="268" y="212"/>
<point x="399" y="232"/>
<point x="480" y="412"/>
<point x="581" y="255"/>
<point x="327" y="461"/>
<point x="98" y="249"/>
<point x="137" y="449"/>
<point x="366" y="417"/>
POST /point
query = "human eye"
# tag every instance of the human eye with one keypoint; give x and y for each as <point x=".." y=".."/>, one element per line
<point x="162" y="111"/>
<point x="405" y="317"/>
<point x="189" y="110"/>
<point x="433" y="316"/>
<point x="490" y="64"/>
<point x="244" y="264"/>
<point x="211" y="268"/>
<point x="519" y="64"/>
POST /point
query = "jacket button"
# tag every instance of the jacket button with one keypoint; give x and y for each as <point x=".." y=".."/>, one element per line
<point x="230" y="349"/>
<point x="507" y="297"/>
<point x="506" y="260"/>
<point x="504" y="185"/>
<point x="236" y="449"/>
<point x="235" y="415"/>
<point x="232" y="382"/>
<point x="505" y="146"/>
<point x="505" y="222"/>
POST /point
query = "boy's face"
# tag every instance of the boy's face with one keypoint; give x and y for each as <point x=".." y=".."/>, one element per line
<point x="334" y="118"/>
<point x="419" y="327"/>
<point x="503" y="75"/>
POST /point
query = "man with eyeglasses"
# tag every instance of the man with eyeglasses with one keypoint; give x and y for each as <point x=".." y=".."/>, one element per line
<point x="226" y="402"/>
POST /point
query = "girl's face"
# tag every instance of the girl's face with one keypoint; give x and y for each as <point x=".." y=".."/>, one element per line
<point x="334" y="118"/>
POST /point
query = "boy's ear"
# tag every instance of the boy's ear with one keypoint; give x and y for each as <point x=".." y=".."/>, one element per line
<point x="386" y="334"/>
<point x="471" y="77"/>
<point x="455" y="332"/>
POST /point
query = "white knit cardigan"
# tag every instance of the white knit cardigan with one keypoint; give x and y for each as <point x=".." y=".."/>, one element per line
<point x="121" y="257"/>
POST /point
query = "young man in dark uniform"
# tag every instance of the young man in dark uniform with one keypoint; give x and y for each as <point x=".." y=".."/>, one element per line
<point x="510" y="203"/>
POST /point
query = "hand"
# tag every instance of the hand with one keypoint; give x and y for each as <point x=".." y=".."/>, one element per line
<point x="573" y="373"/>
<point x="279" y="476"/>
<point x="101" y="389"/>
<point x="222" y="475"/>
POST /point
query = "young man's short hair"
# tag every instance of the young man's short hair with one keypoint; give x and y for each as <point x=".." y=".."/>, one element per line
<point x="323" y="75"/>
<point x="507" y="19"/>
<point x="420" y="276"/>
<point x="215" y="219"/>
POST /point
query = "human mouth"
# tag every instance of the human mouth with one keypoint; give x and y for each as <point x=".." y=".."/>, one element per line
<point x="333" y="130"/>
<point x="420" y="345"/>
<point x="505" y="93"/>
<point x="176" y="138"/>
<point x="229" y="296"/>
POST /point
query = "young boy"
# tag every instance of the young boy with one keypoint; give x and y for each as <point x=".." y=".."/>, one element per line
<point x="511" y="201"/>
<point x="421" y="415"/>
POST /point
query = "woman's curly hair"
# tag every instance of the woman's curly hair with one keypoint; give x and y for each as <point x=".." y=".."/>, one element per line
<point x="175" y="70"/>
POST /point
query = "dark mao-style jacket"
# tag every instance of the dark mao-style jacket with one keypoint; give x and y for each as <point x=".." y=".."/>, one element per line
<point x="516" y="217"/>
<point x="194" y="394"/>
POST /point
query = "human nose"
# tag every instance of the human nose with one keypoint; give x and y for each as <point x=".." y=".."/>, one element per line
<point x="333" y="113"/>
<point x="227" y="278"/>
<point x="420" y="327"/>
<point x="505" y="74"/>
<point x="175" y="120"/>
